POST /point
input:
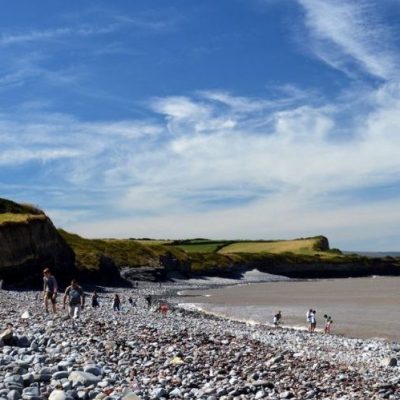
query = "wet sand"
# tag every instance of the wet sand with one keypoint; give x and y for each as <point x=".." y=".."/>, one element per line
<point x="359" y="307"/>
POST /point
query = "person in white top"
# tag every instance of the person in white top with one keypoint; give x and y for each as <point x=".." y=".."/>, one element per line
<point x="308" y="316"/>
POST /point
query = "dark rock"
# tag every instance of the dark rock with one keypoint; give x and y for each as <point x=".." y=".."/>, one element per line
<point x="26" y="247"/>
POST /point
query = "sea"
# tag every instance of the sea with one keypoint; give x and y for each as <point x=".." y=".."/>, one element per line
<point x="359" y="307"/>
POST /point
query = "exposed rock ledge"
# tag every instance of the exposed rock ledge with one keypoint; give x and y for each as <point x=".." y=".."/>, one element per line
<point x="27" y="247"/>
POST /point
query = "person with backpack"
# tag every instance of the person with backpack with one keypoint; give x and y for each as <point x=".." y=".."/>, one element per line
<point x="50" y="289"/>
<point x="76" y="299"/>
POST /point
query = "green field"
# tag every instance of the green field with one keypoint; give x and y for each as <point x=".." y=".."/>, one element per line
<point x="297" y="246"/>
<point x="205" y="247"/>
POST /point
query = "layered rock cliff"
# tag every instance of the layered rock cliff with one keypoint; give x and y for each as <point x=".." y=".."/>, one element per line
<point x="28" y="243"/>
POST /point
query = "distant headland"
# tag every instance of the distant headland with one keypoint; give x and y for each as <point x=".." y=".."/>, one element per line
<point x="29" y="241"/>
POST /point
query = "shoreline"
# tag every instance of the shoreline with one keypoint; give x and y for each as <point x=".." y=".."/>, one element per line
<point x="184" y="354"/>
<point x="256" y="306"/>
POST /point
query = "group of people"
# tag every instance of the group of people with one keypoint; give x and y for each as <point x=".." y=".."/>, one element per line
<point x="311" y="320"/>
<point x="74" y="296"/>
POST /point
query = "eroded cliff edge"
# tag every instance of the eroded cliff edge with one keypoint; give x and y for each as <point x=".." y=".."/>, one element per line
<point x="29" y="245"/>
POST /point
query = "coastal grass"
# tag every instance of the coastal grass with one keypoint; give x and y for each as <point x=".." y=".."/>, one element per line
<point x="152" y="242"/>
<point x="90" y="253"/>
<point x="307" y="246"/>
<point x="11" y="212"/>
<point x="19" y="218"/>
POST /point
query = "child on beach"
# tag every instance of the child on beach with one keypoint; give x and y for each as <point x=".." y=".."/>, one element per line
<point x="308" y="317"/>
<point x="328" y="323"/>
<point x="277" y="318"/>
<point x="132" y="302"/>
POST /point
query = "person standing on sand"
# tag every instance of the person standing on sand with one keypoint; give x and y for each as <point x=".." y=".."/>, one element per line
<point x="277" y="318"/>
<point x="76" y="299"/>
<point x="308" y="316"/>
<point x="313" y="319"/>
<point x="328" y="323"/>
<point x="50" y="289"/>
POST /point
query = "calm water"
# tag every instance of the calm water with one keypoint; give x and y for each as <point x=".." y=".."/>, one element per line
<point x="359" y="307"/>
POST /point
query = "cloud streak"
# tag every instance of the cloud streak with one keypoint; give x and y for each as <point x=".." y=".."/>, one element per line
<point x="346" y="33"/>
<point x="54" y="34"/>
<point x="294" y="169"/>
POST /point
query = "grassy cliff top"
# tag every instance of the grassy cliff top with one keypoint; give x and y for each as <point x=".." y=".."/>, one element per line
<point x="16" y="218"/>
<point x="306" y="246"/>
<point x="303" y="246"/>
<point x="14" y="212"/>
<point x="123" y="252"/>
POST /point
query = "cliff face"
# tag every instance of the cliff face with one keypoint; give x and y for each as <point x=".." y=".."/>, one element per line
<point x="318" y="270"/>
<point x="292" y="266"/>
<point x="27" y="247"/>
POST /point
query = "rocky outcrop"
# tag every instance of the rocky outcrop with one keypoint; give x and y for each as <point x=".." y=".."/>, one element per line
<point x="310" y="267"/>
<point x="27" y="247"/>
<point x="321" y="244"/>
<point x="345" y="269"/>
<point x="106" y="273"/>
<point x="152" y="274"/>
<point x="158" y="270"/>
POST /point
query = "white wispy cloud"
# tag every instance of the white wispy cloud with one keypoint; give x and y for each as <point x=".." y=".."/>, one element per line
<point x="54" y="34"/>
<point x="346" y="33"/>
<point x="22" y="156"/>
<point x="254" y="182"/>
<point x="150" y="22"/>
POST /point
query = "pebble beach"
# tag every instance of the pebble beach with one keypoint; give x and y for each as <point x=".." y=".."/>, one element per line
<point x="139" y="353"/>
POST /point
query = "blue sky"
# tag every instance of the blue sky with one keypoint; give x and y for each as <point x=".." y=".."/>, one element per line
<point x="215" y="118"/>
